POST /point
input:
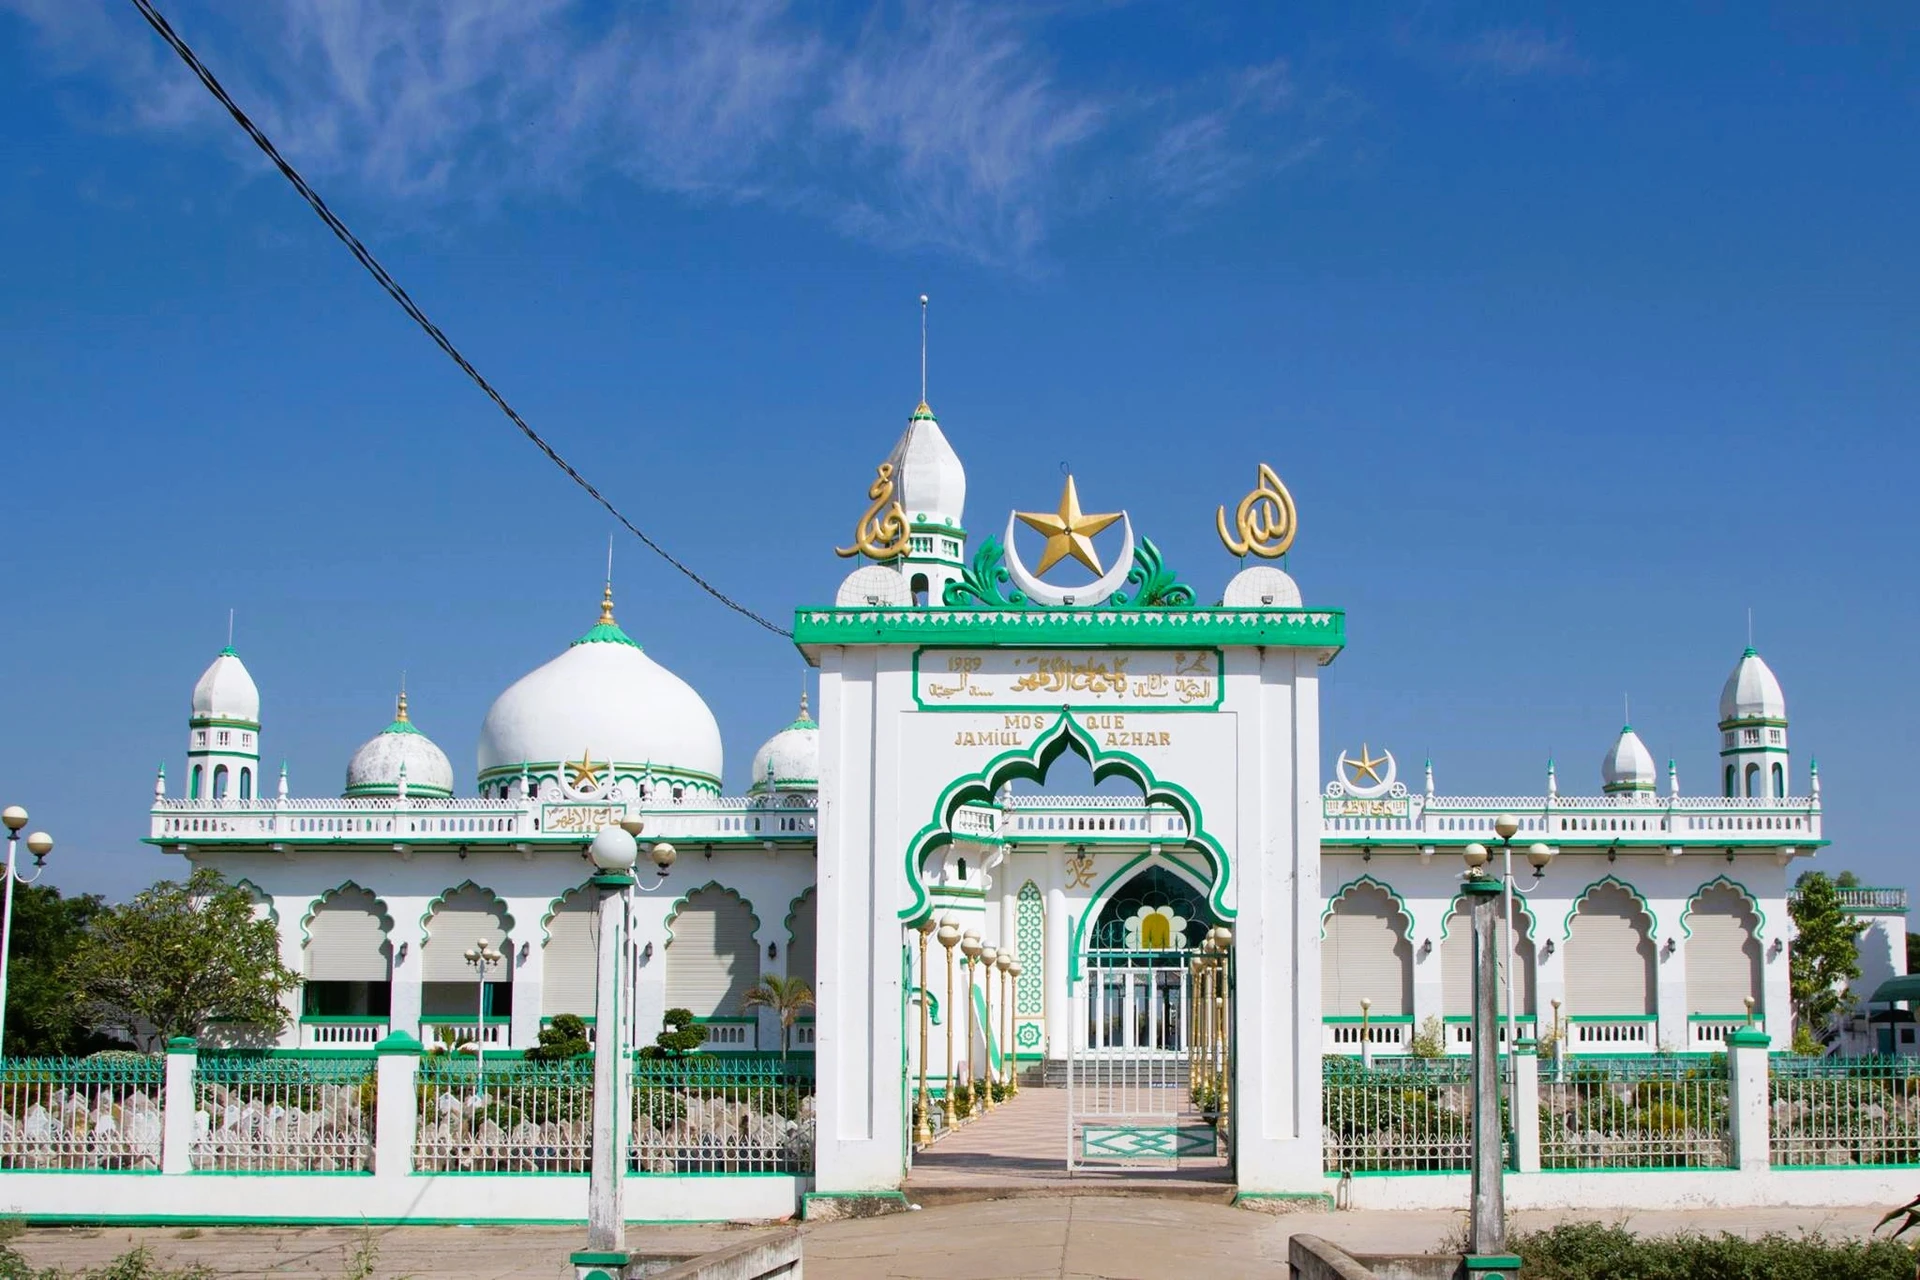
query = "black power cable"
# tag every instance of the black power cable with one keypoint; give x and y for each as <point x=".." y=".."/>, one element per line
<point x="366" y="259"/>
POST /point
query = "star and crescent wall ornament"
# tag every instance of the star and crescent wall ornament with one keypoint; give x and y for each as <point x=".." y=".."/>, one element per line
<point x="1069" y="533"/>
<point x="882" y="531"/>
<point x="1369" y="776"/>
<point x="1264" y="522"/>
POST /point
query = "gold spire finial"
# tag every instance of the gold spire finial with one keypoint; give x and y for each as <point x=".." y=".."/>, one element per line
<point x="606" y="607"/>
<point x="400" y="706"/>
<point x="1265" y="521"/>
<point x="805" y="714"/>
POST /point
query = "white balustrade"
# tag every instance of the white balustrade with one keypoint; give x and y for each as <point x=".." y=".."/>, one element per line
<point x="328" y="1033"/>
<point x="1386" y="1038"/>
<point x="1610" y="1035"/>
<point x="493" y="1034"/>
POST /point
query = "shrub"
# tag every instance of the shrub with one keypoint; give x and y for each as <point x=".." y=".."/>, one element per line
<point x="1430" y="1041"/>
<point x="565" y="1037"/>
<point x="1593" y="1251"/>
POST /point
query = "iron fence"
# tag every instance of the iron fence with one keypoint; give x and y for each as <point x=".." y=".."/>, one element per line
<point x="100" y="1113"/>
<point x="1655" y="1112"/>
<point x="1844" y="1111"/>
<point x="711" y="1114"/>
<point x="1404" y="1115"/>
<point x="504" y="1116"/>
<point x="267" y="1113"/>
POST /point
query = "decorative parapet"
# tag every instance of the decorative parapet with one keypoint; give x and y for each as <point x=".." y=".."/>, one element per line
<point x="1617" y="821"/>
<point x="1322" y="629"/>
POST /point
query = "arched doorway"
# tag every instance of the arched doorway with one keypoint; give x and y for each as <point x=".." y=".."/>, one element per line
<point x="1138" y="980"/>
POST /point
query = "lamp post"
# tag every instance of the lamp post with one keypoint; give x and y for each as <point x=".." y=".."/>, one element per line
<point x="1487" y="1254"/>
<point x="923" y="1127"/>
<point x="1013" y="1028"/>
<point x="1223" y="1083"/>
<point x="613" y="853"/>
<point x="480" y="955"/>
<point x="970" y="949"/>
<point x="948" y="935"/>
<point x="1506" y="826"/>
<point x="988" y="955"/>
<point x="39" y="844"/>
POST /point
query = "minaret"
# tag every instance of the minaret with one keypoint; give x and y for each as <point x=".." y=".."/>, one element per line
<point x="223" y="733"/>
<point x="1753" y="731"/>
<point x="1628" y="766"/>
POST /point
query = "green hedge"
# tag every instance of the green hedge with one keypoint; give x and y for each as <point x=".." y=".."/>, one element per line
<point x="1591" y="1251"/>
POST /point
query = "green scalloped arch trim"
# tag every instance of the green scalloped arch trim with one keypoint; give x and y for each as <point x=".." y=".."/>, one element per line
<point x="261" y="896"/>
<point x="1753" y="902"/>
<point x="505" y="915"/>
<point x="306" y="921"/>
<point x="1653" y="921"/>
<point x="1077" y="928"/>
<point x="673" y="912"/>
<point x="1519" y="901"/>
<point x="1358" y="882"/>
<point x="553" y="909"/>
<point x="793" y="909"/>
<point x="1031" y="763"/>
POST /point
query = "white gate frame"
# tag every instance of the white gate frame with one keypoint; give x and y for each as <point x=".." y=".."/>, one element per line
<point x="1126" y="1102"/>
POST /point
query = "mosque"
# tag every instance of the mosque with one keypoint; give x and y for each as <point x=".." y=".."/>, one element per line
<point x="951" y="677"/>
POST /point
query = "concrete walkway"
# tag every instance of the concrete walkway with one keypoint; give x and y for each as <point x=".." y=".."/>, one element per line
<point x="1032" y="1236"/>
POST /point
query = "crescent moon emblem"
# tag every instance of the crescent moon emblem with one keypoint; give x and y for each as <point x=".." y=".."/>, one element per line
<point x="1367" y="764"/>
<point x="1093" y="593"/>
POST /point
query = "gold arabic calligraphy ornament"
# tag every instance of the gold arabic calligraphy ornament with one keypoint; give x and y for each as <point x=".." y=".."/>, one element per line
<point x="1265" y="521"/>
<point x="882" y="531"/>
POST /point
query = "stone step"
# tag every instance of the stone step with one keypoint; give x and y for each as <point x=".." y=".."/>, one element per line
<point x="1105" y="1185"/>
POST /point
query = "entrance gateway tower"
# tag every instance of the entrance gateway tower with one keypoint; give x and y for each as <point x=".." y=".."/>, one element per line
<point x="946" y="678"/>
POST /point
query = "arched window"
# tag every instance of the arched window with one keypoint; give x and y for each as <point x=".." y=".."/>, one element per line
<point x="1779" y="780"/>
<point x="220" y="782"/>
<point x="449" y="986"/>
<point x="711" y="958"/>
<point x="1723" y="956"/>
<point x="1456" y="961"/>
<point x="1610" y="961"/>
<point x="1753" y="779"/>
<point x="347" y="958"/>
<point x="193" y="785"/>
<point x="1155" y="910"/>
<point x="1366" y="956"/>
<point x="246" y="783"/>
<point x="801" y="946"/>
<point x="1732" y="777"/>
<point x="571" y="957"/>
<point x="919" y="588"/>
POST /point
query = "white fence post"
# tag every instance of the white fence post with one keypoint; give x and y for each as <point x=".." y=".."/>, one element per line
<point x="176" y="1125"/>
<point x="397" y="1067"/>
<point x="1748" y="1108"/>
<point x="1524" y="1106"/>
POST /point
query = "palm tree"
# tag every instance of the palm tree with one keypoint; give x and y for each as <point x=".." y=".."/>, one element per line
<point x="785" y="996"/>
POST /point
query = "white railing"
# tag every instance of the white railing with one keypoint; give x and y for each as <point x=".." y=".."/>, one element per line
<point x="1384" y="1038"/>
<point x="1143" y="823"/>
<point x="390" y="818"/>
<point x="1791" y="820"/>
<point x="1607" y="1035"/>
<point x="328" y="1034"/>
<point x="977" y="821"/>
<point x="1709" y="1035"/>
<point x="494" y="1035"/>
<point x="1460" y="1034"/>
<point x="803" y="1035"/>
<point x="732" y="1035"/>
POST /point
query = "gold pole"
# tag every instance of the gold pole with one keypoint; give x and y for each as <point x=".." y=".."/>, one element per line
<point x="923" y="1126"/>
<point x="970" y="953"/>
<point x="1006" y="1020"/>
<point x="948" y="935"/>
<point x="987" y="956"/>
<point x="1225" y="937"/>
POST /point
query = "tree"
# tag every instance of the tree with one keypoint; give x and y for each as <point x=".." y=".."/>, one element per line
<point x="681" y="1036"/>
<point x="42" y="1013"/>
<point x="564" y="1037"/>
<point x="1846" y="880"/>
<point x="1826" y="952"/>
<point x="785" y="996"/>
<point x="181" y="956"/>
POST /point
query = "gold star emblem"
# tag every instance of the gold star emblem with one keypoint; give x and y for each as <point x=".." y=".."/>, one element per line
<point x="585" y="771"/>
<point x="1368" y="764"/>
<point x="1069" y="533"/>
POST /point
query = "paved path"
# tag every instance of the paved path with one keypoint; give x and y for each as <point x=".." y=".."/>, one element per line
<point x="1003" y="1240"/>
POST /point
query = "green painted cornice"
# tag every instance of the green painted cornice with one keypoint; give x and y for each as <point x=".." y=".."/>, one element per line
<point x="1133" y="628"/>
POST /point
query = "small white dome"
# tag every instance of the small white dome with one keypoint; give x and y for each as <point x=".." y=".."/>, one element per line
<point x="790" y="759"/>
<point x="928" y="480"/>
<point x="1751" y="692"/>
<point x="375" y="767"/>
<point x="873" y="586"/>
<point x="226" y="691"/>
<point x="1261" y="587"/>
<point x="1629" y="765"/>
<point x="606" y="699"/>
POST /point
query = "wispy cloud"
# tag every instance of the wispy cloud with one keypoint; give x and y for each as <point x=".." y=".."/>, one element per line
<point x="943" y="126"/>
<point x="1519" y="51"/>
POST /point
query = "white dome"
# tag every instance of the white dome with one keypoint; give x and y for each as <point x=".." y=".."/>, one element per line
<point x="928" y="480"/>
<point x="1629" y="765"/>
<point x="1261" y="587"/>
<point x="226" y="691"/>
<point x="606" y="699"/>
<point x="790" y="759"/>
<point x="1751" y="692"/>
<point x="375" y="767"/>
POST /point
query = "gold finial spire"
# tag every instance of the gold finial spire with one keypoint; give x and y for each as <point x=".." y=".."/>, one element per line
<point x="400" y="706"/>
<point x="805" y="714"/>
<point x="606" y="607"/>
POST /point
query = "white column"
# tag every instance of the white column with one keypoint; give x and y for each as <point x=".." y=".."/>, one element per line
<point x="1054" y="969"/>
<point x="772" y="933"/>
<point x="407" y="934"/>
<point x="1747" y="1067"/>
<point x="612" y="1075"/>
<point x="1776" y="1002"/>
<point x="1670" y="978"/>
<point x="176" y="1117"/>
<point x="396" y="1071"/>
<point x="294" y="910"/>
<point x="527" y="974"/>
<point x="1525" y="1107"/>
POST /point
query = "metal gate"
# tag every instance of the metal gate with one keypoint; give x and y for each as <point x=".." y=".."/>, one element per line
<point x="1148" y="1058"/>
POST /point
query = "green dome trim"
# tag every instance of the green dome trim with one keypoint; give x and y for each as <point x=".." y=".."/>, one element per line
<point x="401" y="726"/>
<point x="804" y="722"/>
<point x="606" y="633"/>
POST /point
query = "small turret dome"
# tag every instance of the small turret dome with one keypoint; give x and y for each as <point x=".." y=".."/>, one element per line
<point x="929" y="482"/>
<point x="602" y="701"/>
<point x="790" y="759"/>
<point x="400" y="750"/>
<point x="1628" y="766"/>
<point x="226" y="691"/>
<point x="1751" y="692"/>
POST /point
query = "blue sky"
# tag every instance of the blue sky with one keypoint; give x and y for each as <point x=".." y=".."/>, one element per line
<point x="1576" y="331"/>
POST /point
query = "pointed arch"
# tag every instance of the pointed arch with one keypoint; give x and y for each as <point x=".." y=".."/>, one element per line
<point x="713" y="929"/>
<point x="1610" y="961"/>
<point x="1653" y="921"/>
<point x="1031" y="764"/>
<point x="1082" y="927"/>
<point x="261" y="898"/>
<point x="1366" y="952"/>
<point x="570" y="954"/>
<point x="1456" y="957"/>
<point x="345" y="886"/>
<point x="345" y="937"/>
<point x="553" y="907"/>
<point x="1721" y="924"/>
<point x="453" y="922"/>
<point x="1359" y="882"/>
<point x="435" y="903"/>
<point x="802" y="925"/>
<point x="1753" y="904"/>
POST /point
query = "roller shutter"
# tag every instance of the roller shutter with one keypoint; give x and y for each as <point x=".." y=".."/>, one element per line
<point x="1456" y="964"/>
<point x="570" y="958"/>
<point x="712" y="958"/>
<point x="1365" y="956"/>
<point x="1609" y="957"/>
<point x="800" y="944"/>
<point x="1723" y="957"/>
<point x="346" y="941"/>
<point x="463" y="918"/>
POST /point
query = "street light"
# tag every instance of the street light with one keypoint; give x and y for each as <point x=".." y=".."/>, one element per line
<point x="39" y="844"/>
<point x="1487" y="1229"/>
<point x="480" y="955"/>
<point x="948" y="935"/>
